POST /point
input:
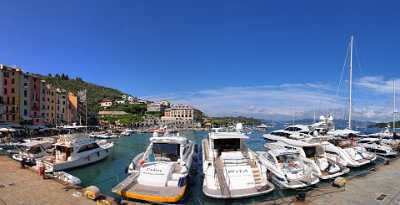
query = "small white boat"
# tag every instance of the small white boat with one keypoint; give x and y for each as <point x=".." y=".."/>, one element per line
<point x="231" y="170"/>
<point x="106" y="136"/>
<point x="30" y="151"/>
<point x="374" y="145"/>
<point x="160" y="174"/>
<point x="288" y="168"/>
<point x="329" y="166"/>
<point x="67" y="178"/>
<point x="74" y="151"/>
<point x="127" y="132"/>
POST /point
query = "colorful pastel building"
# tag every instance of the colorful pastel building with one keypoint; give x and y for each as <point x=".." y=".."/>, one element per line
<point x="72" y="114"/>
<point x="12" y="81"/>
<point x="2" y="108"/>
<point x="30" y="100"/>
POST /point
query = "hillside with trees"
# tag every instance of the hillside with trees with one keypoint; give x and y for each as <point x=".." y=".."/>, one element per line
<point x="95" y="93"/>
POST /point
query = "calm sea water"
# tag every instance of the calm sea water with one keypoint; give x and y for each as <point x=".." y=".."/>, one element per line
<point x="111" y="171"/>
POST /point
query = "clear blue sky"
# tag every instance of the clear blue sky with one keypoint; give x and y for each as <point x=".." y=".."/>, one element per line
<point x="149" y="48"/>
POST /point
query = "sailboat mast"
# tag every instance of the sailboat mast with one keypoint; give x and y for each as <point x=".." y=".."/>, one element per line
<point x="394" y="106"/>
<point x="351" y="80"/>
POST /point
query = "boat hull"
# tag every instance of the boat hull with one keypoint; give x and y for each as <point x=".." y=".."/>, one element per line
<point x="238" y="193"/>
<point x="299" y="185"/>
<point x="89" y="159"/>
<point x="151" y="196"/>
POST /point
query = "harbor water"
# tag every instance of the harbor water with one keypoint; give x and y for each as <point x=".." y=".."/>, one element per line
<point x="111" y="171"/>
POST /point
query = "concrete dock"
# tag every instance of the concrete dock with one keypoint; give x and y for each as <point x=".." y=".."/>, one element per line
<point x="25" y="187"/>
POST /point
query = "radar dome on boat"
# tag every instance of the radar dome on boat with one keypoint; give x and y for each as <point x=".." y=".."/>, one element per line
<point x="239" y="126"/>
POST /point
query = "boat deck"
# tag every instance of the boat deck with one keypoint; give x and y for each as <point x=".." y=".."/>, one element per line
<point x="129" y="188"/>
<point x="239" y="193"/>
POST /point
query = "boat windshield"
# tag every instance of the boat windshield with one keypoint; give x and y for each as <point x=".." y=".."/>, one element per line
<point x="166" y="151"/>
<point x="287" y="158"/>
<point x="226" y="145"/>
<point x="313" y="151"/>
<point x="35" y="150"/>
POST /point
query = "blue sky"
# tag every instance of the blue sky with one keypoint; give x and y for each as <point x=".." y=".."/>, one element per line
<point x="225" y="57"/>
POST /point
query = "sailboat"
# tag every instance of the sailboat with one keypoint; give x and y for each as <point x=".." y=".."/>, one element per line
<point x="343" y="142"/>
<point x="388" y="136"/>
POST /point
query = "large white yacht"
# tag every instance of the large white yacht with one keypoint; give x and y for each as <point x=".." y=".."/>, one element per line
<point x="74" y="150"/>
<point x="374" y="145"/>
<point x="231" y="170"/>
<point x="344" y="144"/>
<point x="160" y="174"/>
<point x="288" y="169"/>
<point x="341" y="142"/>
<point x="329" y="166"/>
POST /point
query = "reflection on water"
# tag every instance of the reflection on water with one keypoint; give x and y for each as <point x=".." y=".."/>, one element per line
<point x="111" y="171"/>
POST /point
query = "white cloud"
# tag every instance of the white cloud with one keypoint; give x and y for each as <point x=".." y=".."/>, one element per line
<point x="377" y="84"/>
<point x="283" y="101"/>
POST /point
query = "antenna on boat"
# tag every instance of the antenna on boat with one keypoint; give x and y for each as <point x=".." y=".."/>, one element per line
<point x="351" y="80"/>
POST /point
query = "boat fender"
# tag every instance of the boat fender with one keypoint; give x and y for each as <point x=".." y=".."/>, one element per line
<point x="141" y="162"/>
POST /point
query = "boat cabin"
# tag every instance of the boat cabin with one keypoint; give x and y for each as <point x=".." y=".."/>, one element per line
<point x="70" y="145"/>
<point x="227" y="142"/>
<point x="168" y="148"/>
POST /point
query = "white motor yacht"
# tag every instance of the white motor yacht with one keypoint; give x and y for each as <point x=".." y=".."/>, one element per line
<point x="127" y="132"/>
<point x="73" y="151"/>
<point x="160" y="174"/>
<point x="231" y="170"/>
<point x="288" y="169"/>
<point x="344" y="144"/>
<point x="374" y="145"/>
<point x="329" y="167"/>
<point x="30" y="151"/>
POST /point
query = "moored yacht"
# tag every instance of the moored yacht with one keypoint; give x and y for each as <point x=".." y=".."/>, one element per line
<point x="160" y="174"/>
<point x="231" y="170"/>
<point x="344" y="144"/>
<point x="30" y="151"/>
<point x="374" y="145"/>
<point x="288" y="169"/>
<point x="73" y="151"/>
<point x="127" y="132"/>
<point x="329" y="167"/>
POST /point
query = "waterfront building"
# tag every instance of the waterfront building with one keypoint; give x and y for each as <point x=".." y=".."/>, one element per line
<point x="30" y="100"/>
<point x="182" y="116"/>
<point x="2" y="107"/>
<point x="72" y="112"/>
<point x="44" y="102"/>
<point x="11" y="93"/>
<point x="120" y="102"/>
<point x="106" y="103"/>
<point x="26" y="99"/>
<point x="61" y="106"/>
<point x="158" y="107"/>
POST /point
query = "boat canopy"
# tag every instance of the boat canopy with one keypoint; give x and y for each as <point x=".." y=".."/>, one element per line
<point x="228" y="135"/>
<point x="344" y="132"/>
<point x="169" y="139"/>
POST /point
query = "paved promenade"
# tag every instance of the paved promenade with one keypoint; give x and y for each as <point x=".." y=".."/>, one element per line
<point x="25" y="187"/>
